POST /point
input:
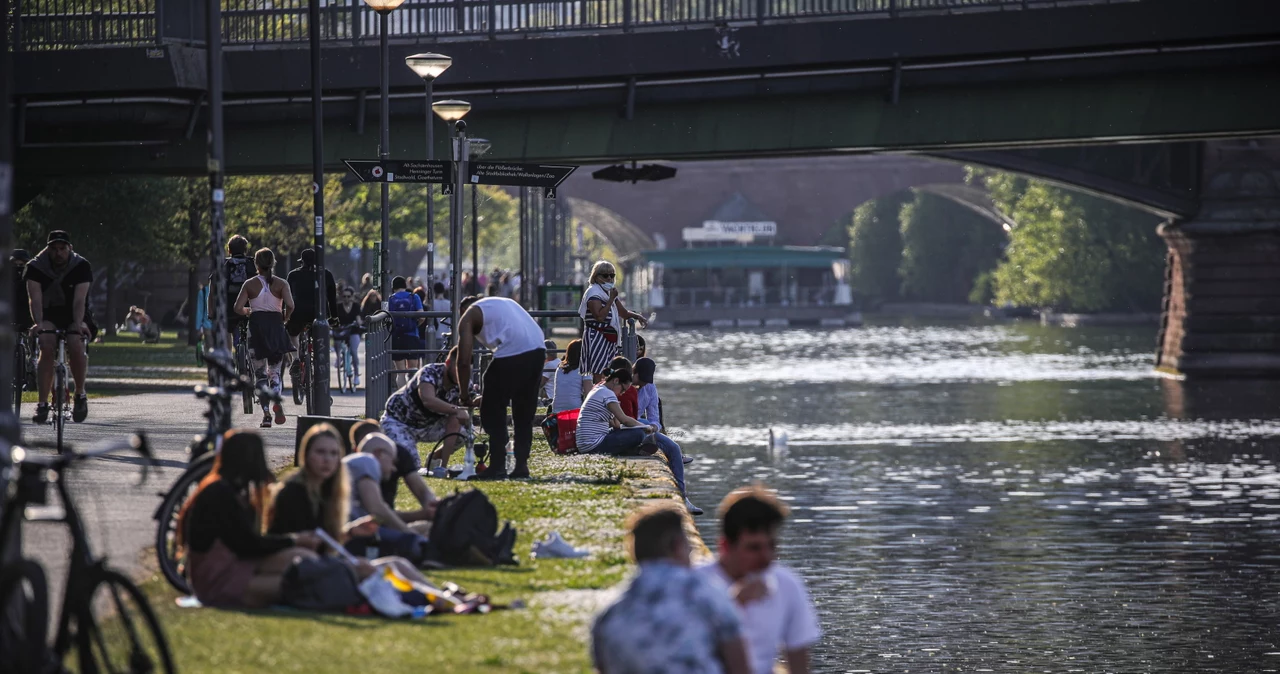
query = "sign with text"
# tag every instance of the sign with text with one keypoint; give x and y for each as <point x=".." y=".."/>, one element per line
<point x="546" y="176"/>
<point x="401" y="171"/>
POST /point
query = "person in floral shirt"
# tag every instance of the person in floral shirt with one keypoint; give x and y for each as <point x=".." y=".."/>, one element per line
<point x="669" y="619"/>
<point x="426" y="409"/>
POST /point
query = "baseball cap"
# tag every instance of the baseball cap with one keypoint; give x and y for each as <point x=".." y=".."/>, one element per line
<point x="19" y="255"/>
<point x="59" y="235"/>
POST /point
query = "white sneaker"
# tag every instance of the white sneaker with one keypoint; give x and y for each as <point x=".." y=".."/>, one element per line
<point x="355" y="381"/>
<point x="693" y="509"/>
<point x="557" y="547"/>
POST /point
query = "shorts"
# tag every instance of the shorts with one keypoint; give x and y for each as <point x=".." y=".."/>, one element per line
<point x="408" y="437"/>
<point x="299" y="321"/>
<point x="402" y="342"/>
<point x="61" y="320"/>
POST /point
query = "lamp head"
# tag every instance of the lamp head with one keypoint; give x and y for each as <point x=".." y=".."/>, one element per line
<point x="451" y="110"/>
<point x="428" y="66"/>
<point x="383" y="6"/>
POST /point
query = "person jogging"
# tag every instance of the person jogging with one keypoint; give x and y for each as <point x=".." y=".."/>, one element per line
<point x="268" y="303"/>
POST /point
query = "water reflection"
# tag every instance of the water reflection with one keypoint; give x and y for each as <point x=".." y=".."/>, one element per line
<point x="1001" y="498"/>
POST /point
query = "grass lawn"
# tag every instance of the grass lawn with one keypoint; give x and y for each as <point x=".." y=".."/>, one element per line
<point x="586" y="499"/>
<point x="127" y="349"/>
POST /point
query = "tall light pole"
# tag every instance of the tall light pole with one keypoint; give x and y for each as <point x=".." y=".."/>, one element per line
<point x="429" y="67"/>
<point x="477" y="148"/>
<point x="319" y="377"/>
<point x="453" y="111"/>
<point x="383" y="8"/>
<point x="10" y="429"/>
<point x="217" y="174"/>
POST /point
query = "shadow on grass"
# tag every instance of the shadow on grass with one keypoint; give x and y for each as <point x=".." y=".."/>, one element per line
<point x="364" y="622"/>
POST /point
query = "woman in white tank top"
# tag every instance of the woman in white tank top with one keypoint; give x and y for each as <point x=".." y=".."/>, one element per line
<point x="270" y="302"/>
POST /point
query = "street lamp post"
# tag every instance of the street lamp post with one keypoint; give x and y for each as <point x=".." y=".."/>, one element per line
<point x="453" y="111"/>
<point x="429" y="67"/>
<point x="477" y="147"/>
<point x="319" y="376"/>
<point x="383" y="8"/>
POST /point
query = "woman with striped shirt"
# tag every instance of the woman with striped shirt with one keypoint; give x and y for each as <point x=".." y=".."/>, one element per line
<point x="602" y="314"/>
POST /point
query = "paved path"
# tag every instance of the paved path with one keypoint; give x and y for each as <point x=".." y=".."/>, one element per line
<point x="117" y="511"/>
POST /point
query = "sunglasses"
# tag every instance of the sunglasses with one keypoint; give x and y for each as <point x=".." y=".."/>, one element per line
<point x="607" y="275"/>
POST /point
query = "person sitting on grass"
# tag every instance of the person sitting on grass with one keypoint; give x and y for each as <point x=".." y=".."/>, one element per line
<point x="367" y="469"/>
<point x="316" y="497"/>
<point x="669" y="618"/>
<point x="629" y="400"/>
<point x="231" y="563"/>
<point x="407" y="464"/>
<point x="647" y="397"/>
<point x="596" y="436"/>
<point x="426" y="409"/>
<point x="571" y="383"/>
<point x="549" y="372"/>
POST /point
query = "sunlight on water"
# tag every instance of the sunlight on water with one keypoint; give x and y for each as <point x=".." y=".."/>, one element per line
<point x="997" y="498"/>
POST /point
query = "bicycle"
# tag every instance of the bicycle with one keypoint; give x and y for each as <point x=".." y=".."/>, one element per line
<point x="58" y="411"/>
<point x="300" y="383"/>
<point x="346" y="359"/>
<point x="203" y="449"/>
<point x="244" y="367"/>
<point x="104" y="617"/>
<point x="24" y="374"/>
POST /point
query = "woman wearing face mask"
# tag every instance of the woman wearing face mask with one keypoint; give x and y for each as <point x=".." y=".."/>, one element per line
<point x="603" y="313"/>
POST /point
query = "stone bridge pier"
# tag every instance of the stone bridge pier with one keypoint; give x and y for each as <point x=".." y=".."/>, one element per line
<point x="1221" y="313"/>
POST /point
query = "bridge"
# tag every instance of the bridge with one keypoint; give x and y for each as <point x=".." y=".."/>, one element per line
<point x="1139" y="100"/>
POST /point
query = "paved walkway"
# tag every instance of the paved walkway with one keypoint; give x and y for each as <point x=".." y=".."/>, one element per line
<point x="117" y="511"/>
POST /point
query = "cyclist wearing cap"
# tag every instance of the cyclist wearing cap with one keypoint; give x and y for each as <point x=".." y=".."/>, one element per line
<point x="302" y="280"/>
<point x="21" y="301"/>
<point x="58" y="285"/>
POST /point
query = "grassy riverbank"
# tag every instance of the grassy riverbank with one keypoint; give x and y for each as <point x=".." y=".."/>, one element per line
<point x="586" y="499"/>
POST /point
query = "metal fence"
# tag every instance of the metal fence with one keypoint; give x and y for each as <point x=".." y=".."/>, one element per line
<point x="67" y="24"/>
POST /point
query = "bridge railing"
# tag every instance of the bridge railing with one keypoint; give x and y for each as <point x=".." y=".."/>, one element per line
<point x="68" y="24"/>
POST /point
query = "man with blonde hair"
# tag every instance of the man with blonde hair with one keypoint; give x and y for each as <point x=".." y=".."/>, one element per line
<point x="777" y="613"/>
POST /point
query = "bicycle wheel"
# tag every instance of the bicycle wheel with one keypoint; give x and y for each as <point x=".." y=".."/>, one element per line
<point x="242" y="367"/>
<point x="342" y="371"/>
<point x="24" y="616"/>
<point x="116" y="630"/>
<point x="60" y="402"/>
<point x="19" y="376"/>
<point x="171" y="560"/>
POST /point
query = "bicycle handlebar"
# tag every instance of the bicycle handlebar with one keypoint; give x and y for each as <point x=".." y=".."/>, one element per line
<point x="136" y="442"/>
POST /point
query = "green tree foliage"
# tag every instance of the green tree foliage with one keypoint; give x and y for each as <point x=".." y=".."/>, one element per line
<point x="875" y="247"/>
<point x="945" y="247"/>
<point x="1074" y="252"/>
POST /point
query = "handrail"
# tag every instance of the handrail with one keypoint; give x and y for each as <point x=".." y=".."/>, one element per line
<point x="46" y="25"/>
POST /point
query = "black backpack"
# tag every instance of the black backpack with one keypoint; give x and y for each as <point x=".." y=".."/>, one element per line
<point x="321" y="584"/>
<point x="465" y="532"/>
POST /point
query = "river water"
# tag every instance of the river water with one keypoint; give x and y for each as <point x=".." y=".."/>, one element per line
<point x="1006" y="498"/>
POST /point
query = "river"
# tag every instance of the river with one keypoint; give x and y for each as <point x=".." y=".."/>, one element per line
<point x="997" y="498"/>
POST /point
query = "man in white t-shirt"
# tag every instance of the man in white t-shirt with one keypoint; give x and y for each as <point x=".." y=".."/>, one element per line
<point x="777" y="614"/>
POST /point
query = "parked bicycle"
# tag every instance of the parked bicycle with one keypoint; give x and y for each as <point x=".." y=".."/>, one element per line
<point x="203" y="449"/>
<point x="244" y="365"/>
<point x="105" y="618"/>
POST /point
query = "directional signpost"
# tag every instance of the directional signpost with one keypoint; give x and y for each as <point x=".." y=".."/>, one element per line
<point x="546" y="176"/>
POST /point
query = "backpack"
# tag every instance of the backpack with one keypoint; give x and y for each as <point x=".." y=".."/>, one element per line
<point x="320" y="584"/>
<point x="404" y="301"/>
<point x="237" y="272"/>
<point x="465" y="532"/>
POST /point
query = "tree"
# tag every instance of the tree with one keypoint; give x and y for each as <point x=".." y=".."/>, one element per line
<point x="120" y="224"/>
<point x="1075" y="252"/>
<point x="875" y="247"/>
<point x="945" y="248"/>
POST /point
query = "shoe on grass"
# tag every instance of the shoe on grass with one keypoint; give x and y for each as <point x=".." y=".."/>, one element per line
<point x="494" y="473"/>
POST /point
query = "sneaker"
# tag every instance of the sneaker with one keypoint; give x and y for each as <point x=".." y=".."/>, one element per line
<point x="557" y="547"/>
<point x="688" y="459"/>
<point x="80" y="409"/>
<point x="279" y="413"/>
<point x="693" y="509"/>
<point x="266" y="420"/>
<point x="42" y="414"/>
<point x="355" y="381"/>
<point x="520" y="473"/>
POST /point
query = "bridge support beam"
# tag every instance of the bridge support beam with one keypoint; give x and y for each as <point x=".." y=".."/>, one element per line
<point x="1222" y="292"/>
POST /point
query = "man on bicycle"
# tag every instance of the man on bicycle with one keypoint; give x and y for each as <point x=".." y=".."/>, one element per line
<point x="58" y="284"/>
<point x="302" y="281"/>
<point x="236" y="269"/>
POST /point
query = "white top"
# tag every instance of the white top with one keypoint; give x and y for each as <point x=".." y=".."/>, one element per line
<point x="549" y="369"/>
<point x="266" y="300"/>
<point x="596" y="292"/>
<point x="567" y="390"/>
<point x="508" y="329"/>
<point x="593" y="422"/>
<point x="780" y="621"/>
